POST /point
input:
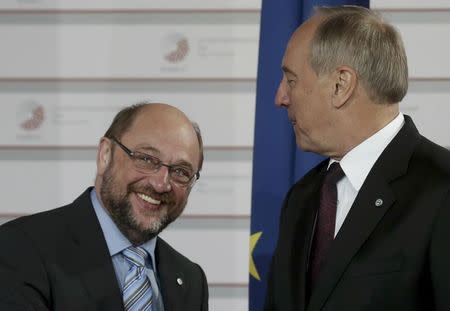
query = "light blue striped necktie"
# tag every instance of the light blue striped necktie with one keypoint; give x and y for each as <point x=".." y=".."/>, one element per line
<point x="137" y="291"/>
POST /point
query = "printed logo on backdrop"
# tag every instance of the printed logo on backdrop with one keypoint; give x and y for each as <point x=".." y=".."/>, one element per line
<point x="175" y="50"/>
<point x="30" y="117"/>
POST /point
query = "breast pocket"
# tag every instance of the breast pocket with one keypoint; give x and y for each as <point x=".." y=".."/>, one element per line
<point x="376" y="267"/>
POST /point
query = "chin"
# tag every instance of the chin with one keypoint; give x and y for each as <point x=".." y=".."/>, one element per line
<point x="149" y="222"/>
<point x="302" y="144"/>
<point x="305" y="143"/>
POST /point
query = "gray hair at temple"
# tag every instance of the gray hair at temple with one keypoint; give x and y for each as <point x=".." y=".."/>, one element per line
<point x="125" y="117"/>
<point x="360" y="38"/>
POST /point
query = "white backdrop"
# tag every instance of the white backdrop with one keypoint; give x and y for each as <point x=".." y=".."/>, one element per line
<point x="69" y="65"/>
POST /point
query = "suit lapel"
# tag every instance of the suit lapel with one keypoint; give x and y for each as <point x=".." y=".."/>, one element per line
<point x="91" y="256"/>
<point x="304" y="207"/>
<point x="372" y="202"/>
<point x="168" y="274"/>
<point x="359" y="223"/>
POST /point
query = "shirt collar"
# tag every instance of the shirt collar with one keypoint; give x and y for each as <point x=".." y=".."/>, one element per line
<point x="358" y="162"/>
<point x="115" y="240"/>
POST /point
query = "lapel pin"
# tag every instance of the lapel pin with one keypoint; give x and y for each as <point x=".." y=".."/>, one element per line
<point x="378" y="202"/>
<point x="179" y="281"/>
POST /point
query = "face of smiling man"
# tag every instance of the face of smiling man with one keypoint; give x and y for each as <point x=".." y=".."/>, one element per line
<point x="143" y="204"/>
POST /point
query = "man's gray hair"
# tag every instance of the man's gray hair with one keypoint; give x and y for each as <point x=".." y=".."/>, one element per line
<point x="360" y="38"/>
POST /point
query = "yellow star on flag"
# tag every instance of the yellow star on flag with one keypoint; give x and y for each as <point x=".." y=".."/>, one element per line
<point x="253" y="241"/>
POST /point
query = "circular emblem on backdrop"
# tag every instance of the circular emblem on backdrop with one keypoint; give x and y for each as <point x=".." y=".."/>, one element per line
<point x="30" y="115"/>
<point x="175" y="47"/>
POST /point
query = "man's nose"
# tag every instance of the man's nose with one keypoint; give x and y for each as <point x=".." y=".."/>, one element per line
<point x="160" y="180"/>
<point x="282" y="98"/>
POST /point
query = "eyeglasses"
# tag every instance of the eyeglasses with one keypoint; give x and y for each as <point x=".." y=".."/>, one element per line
<point x="148" y="164"/>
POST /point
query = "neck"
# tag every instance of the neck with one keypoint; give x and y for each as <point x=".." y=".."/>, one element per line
<point x="363" y="124"/>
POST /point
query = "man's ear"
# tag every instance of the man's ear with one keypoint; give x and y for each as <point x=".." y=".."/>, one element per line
<point x="103" y="155"/>
<point x="345" y="81"/>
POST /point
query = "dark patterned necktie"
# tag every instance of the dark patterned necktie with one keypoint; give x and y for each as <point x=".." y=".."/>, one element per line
<point x="326" y="220"/>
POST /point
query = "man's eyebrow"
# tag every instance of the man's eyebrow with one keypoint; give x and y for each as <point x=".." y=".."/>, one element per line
<point x="287" y="70"/>
<point x="184" y="164"/>
<point x="155" y="152"/>
<point x="149" y="149"/>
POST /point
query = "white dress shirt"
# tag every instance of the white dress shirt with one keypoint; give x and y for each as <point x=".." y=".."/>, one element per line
<point x="357" y="164"/>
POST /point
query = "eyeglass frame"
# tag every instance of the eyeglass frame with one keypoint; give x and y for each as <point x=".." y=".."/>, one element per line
<point x="171" y="168"/>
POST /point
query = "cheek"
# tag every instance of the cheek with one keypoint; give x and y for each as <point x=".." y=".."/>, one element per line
<point x="180" y="197"/>
<point x="300" y="104"/>
<point x="300" y="95"/>
<point x="131" y="179"/>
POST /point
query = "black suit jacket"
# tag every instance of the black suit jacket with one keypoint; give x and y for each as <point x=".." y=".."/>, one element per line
<point x="395" y="256"/>
<point x="59" y="260"/>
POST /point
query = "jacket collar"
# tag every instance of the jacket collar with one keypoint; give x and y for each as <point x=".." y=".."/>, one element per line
<point x="365" y="212"/>
<point x="90" y="252"/>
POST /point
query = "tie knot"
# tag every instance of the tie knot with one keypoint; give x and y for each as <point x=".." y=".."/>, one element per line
<point x="334" y="173"/>
<point x="135" y="255"/>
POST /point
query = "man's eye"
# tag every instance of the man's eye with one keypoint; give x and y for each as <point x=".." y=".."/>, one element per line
<point x="181" y="172"/>
<point x="148" y="159"/>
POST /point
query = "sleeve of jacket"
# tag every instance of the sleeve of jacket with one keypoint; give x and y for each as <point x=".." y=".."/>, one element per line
<point x="23" y="285"/>
<point x="440" y="257"/>
<point x="205" y="300"/>
<point x="269" y="302"/>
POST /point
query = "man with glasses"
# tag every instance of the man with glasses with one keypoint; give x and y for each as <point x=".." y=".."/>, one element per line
<point x="102" y="252"/>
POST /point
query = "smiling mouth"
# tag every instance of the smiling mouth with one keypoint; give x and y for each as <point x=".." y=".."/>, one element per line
<point x="148" y="199"/>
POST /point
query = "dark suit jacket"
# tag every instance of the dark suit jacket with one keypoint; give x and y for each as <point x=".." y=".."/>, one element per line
<point x="390" y="257"/>
<point x="59" y="260"/>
